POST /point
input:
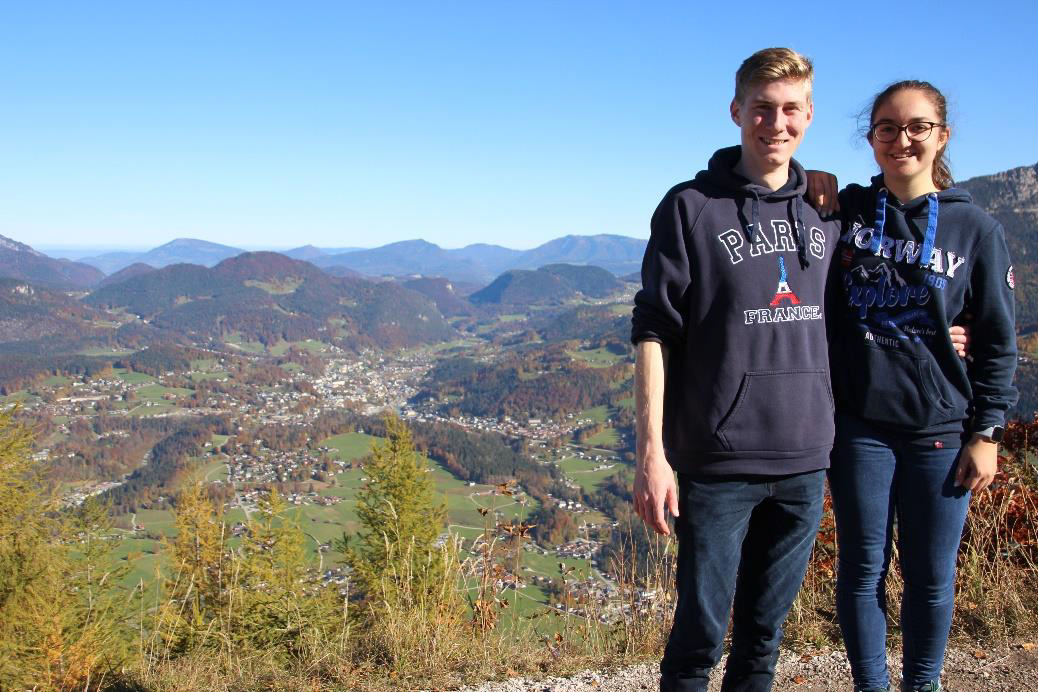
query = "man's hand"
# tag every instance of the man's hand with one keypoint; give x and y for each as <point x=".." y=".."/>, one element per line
<point x="823" y="192"/>
<point x="654" y="490"/>
<point x="960" y="338"/>
<point x="978" y="463"/>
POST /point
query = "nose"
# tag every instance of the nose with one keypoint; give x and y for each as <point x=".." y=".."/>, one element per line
<point x="775" y="119"/>
<point x="902" y="138"/>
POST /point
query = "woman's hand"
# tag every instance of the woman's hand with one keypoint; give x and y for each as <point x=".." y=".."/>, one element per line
<point x="822" y="189"/>
<point x="978" y="463"/>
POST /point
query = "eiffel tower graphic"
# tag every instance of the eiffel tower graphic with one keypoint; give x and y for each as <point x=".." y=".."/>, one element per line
<point x="783" y="292"/>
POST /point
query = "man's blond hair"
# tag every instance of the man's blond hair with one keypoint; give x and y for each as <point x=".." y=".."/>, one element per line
<point x="771" y="65"/>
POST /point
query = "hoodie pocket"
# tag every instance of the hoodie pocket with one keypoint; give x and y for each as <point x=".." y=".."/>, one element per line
<point x="900" y="390"/>
<point x="779" y="411"/>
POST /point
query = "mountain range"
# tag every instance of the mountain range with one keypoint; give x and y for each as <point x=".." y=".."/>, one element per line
<point x="1010" y="196"/>
<point x="478" y="263"/>
<point x="481" y="262"/>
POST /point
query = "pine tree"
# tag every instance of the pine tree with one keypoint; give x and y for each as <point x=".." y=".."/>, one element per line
<point x="395" y="553"/>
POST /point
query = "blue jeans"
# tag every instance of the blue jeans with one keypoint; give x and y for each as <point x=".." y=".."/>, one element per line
<point x="747" y="538"/>
<point x="875" y="477"/>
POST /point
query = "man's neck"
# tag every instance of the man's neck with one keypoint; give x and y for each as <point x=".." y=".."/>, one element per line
<point x="772" y="179"/>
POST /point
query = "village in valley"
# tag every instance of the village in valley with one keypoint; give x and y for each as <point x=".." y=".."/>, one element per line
<point x="319" y="481"/>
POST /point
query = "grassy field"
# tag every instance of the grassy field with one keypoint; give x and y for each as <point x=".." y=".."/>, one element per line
<point x="159" y="392"/>
<point x="19" y="397"/>
<point x="349" y="446"/>
<point x="283" y="287"/>
<point x="310" y="345"/>
<point x="142" y="560"/>
<point x="597" y="357"/>
<point x="235" y="341"/>
<point x="130" y="377"/>
<point x="607" y="438"/>
<point x="208" y="375"/>
<point x="586" y="473"/>
<point x="57" y="381"/>
<point x="598" y="414"/>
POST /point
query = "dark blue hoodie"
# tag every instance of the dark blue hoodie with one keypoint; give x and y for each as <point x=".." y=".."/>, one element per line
<point x="733" y="285"/>
<point x="904" y="273"/>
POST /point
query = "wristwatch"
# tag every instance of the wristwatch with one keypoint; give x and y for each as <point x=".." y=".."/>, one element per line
<point x="993" y="433"/>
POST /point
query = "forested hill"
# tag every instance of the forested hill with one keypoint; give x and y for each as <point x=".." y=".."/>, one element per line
<point x="268" y="297"/>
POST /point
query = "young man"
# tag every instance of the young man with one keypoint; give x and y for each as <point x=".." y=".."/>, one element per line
<point x="732" y="381"/>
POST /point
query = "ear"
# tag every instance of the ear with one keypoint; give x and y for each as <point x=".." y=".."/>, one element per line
<point x="810" y="113"/>
<point x="734" y="109"/>
<point x="943" y="137"/>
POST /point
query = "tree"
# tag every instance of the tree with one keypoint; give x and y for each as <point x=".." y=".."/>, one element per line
<point x="259" y="597"/>
<point x="401" y="516"/>
<point x="61" y="611"/>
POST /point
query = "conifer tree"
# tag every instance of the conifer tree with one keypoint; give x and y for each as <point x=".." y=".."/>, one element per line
<point x="280" y="609"/>
<point x="195" y="587"/>
<point x="395" y="552"/>
<point x="62" y="614"/>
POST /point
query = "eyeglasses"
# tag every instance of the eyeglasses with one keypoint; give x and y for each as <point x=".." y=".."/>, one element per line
<point x="918" y="131"/>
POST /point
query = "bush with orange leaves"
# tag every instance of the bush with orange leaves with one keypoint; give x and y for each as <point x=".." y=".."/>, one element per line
<point x="997" y="585"/>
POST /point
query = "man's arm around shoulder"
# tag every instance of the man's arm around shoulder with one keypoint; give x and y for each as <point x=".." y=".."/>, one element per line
<point x="654" y="486"/>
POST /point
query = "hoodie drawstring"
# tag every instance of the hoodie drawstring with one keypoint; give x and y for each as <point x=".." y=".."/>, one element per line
<point x="929" y="238"/>
<point x="754" y="216"/>
<point x="881" y="220"/>
<point x="931" y="231"/>
<point x="801" y="229"/>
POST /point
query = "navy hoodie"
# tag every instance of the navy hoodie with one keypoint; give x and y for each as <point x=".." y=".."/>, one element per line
<point x="904" y="273"/>
<point x="733" y="285"/>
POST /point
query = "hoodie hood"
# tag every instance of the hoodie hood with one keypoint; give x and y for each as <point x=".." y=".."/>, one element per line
<point x="721" y="176"/>
<point x="913" y="208"/>
<point x="918" y="206"/>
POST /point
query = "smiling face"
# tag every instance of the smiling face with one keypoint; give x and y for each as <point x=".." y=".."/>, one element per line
<point x="906" y="163"/>
<point x="773" y="118"/>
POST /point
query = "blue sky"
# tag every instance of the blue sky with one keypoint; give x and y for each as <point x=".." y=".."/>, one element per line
<point x="264" y="124"/>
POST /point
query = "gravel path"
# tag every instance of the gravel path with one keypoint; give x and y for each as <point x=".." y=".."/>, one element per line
<point x="966" y="670"/>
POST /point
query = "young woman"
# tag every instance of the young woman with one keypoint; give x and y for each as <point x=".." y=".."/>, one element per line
<point x="917" y="427"/>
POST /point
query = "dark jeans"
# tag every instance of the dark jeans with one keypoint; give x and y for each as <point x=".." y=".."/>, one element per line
<point x="875" y="477"/>
<point x="747" y="537"/>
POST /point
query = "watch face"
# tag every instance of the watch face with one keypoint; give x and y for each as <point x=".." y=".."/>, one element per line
<point x="998" y="433"/>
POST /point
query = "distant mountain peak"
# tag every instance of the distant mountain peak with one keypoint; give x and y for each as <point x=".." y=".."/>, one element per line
<point x="8" y="244"/>
<point x="181" y="243"/>
<point x="415" y="243"/>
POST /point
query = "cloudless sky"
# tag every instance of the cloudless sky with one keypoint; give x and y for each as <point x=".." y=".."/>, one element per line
<point x="357" y="124"/>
